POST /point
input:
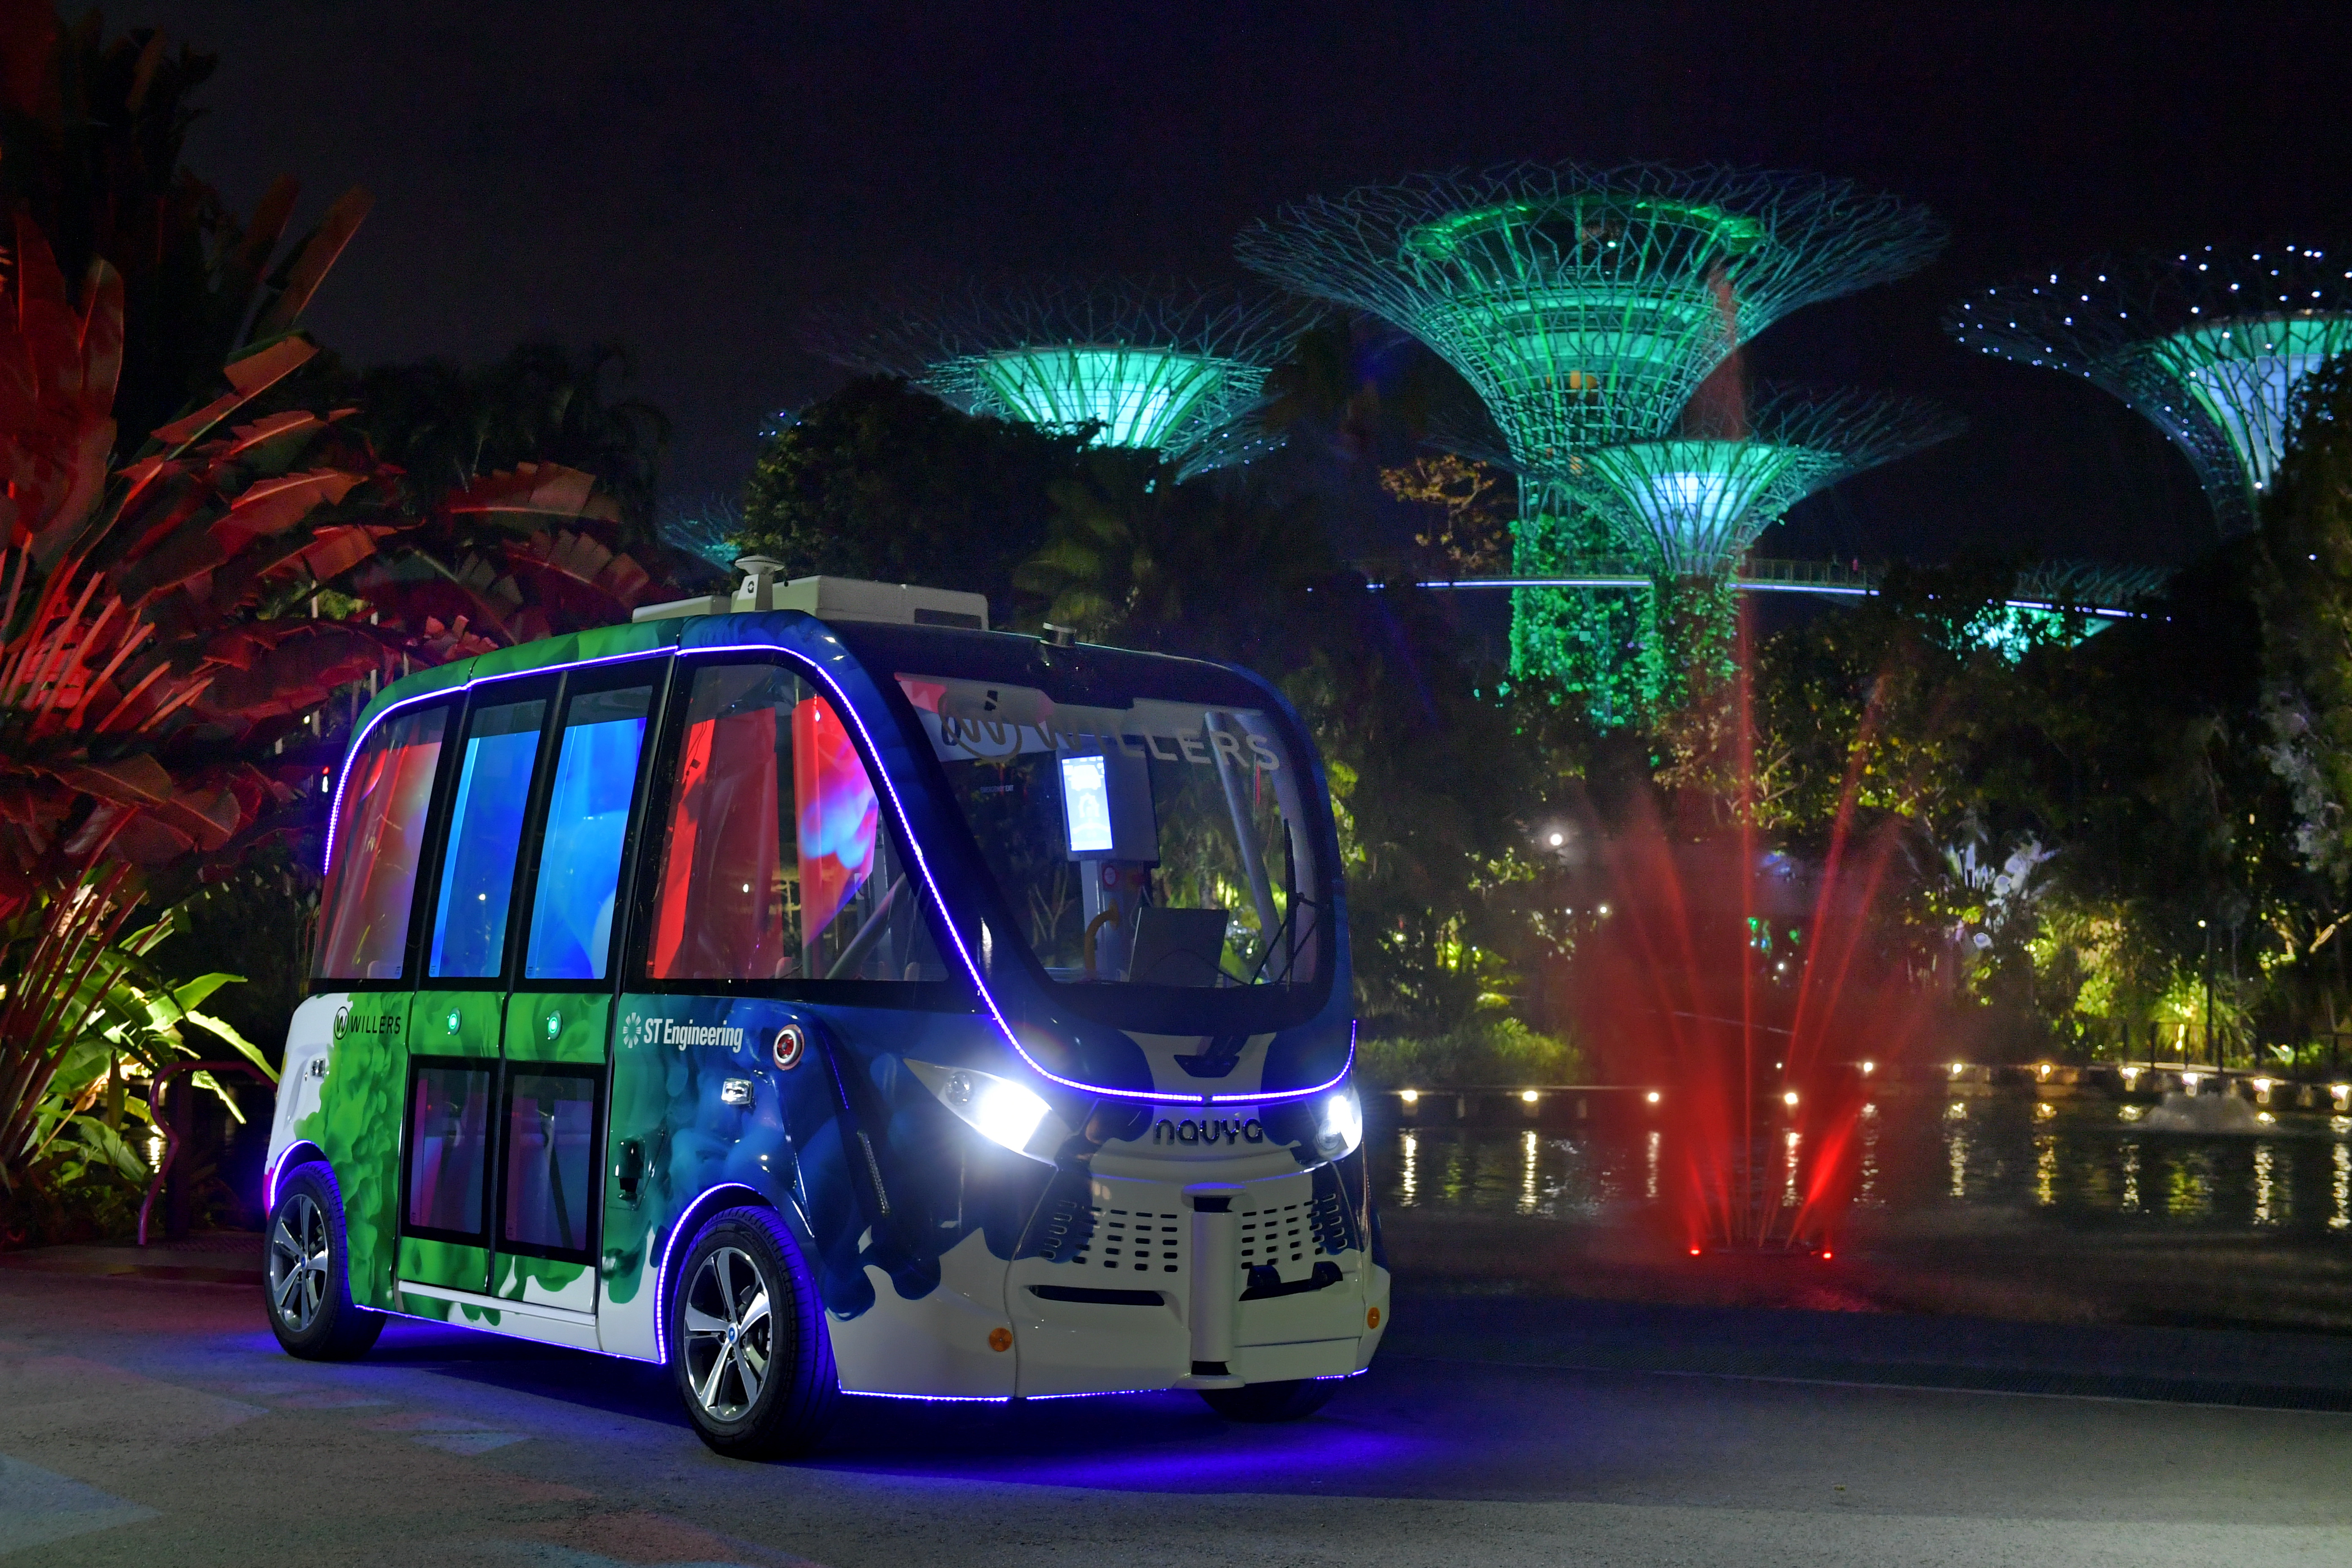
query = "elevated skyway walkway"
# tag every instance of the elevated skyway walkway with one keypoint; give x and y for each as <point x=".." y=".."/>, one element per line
<point x="1757" y="574"/>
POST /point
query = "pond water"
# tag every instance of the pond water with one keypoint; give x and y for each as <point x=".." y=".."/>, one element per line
<point x="2085" y="1163"/>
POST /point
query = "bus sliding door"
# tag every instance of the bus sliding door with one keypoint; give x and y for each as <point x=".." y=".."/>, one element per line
<point x="559" y="1019"/>
<point x="456" y="1021"/>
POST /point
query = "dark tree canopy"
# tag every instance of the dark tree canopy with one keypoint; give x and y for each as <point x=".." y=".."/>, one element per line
<point x="884" y="482"/>
<point x="2306" y="603"/>
<point x="446" y="424"/>
<point x="91" y="130"/>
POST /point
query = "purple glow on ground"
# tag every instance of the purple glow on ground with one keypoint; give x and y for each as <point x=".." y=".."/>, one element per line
<point x="1152" y="1442"/>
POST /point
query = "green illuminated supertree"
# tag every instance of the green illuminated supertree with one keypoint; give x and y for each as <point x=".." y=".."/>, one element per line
<point x="1688" y="507"/>
<point x="1691" y="505"/>
<point x="1694" y="503"/>
<point x="2207" y="346"/>
<point x="1168" y="366"/>
<point x="1585" y="306"/>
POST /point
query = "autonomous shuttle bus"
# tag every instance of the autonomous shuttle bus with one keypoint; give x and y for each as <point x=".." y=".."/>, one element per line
<point x="818" y="992"/>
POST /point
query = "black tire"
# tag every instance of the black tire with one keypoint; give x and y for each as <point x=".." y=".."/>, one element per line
<point x="306" y="1282"/>
<point x="1271" y="1401"/>
<point x="746" y="1339"/>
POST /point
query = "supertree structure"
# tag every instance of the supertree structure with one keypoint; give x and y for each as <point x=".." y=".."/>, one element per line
<point x="1687" y="507"/>
<point x="2208" y="345"/>
<point x="1169" y="366"/>
<point x="2087" y="585"/>
<point x="1585" y="306"/>
<point x="1691" y="504"/>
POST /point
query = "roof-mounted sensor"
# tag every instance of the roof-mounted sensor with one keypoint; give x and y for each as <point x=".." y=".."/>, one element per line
<point x="830" y="599"/>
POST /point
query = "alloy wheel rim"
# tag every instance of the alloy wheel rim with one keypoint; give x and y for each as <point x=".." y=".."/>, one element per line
<point x="297" y="1262"/>
<point x="728" y="1333"/>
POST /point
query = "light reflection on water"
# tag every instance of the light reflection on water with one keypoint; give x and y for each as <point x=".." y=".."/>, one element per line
<point x="2080" y="1165"/>
<point x="2191" y="1187"/>
<point x="2342" y="1218"/>
<point x="1868" y="1193"/>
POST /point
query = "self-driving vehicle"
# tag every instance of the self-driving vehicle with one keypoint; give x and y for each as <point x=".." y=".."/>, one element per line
<point x="815" y="992"/>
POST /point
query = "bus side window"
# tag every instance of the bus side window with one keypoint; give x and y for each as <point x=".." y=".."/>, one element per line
<point x="776" y="861"/>
<point x="587" y="819"/>
<point x="377" y="840"/>
<point x="449" y="1144"/>
<point x="478" y="876"/>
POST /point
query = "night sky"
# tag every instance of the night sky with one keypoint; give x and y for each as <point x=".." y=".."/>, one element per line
<point x="688" y="179"/>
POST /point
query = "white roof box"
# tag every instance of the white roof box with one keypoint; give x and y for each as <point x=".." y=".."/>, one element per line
<point x="831" y="599"/>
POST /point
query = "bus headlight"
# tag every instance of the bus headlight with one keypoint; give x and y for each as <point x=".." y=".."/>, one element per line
<point x="1339" y="1124"/>
<point x="1001" y="1110"/>
<point x="996" y="1108"/>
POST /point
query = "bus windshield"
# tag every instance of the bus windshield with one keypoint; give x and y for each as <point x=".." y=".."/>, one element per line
<point x="1153" y="844"/>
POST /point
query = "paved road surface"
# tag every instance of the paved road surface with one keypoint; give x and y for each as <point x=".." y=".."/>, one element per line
<point x="153" y="1421"/>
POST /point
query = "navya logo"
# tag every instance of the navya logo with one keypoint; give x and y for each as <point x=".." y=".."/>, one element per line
<point x="1208" y="1130"/>
<point x="382" y="1024"/>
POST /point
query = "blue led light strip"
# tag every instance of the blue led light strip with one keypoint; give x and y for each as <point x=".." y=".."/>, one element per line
<point x="335" y="810"/>
<point x="907" y="833"/>
<point x="677" y="1229"/>
<point x="906" y="829"/>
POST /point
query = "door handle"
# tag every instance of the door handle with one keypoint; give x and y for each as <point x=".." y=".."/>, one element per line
<point x="629" y="1170"/>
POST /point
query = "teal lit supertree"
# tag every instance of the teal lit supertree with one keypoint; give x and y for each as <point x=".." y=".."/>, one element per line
<point x="1691" y="505"/>
<point x="1695" y="502"/>
<point x="2206" y="345"/>
<point x="1585" y="306"/>
<point x="1688" y="507"/>
<point x="1165" y="366"/>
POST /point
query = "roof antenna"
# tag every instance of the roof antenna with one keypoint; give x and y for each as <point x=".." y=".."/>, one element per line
<point x="759" y="586"/>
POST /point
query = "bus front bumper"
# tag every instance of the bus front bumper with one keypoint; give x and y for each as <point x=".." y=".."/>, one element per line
<point x="1159" y="1283"/>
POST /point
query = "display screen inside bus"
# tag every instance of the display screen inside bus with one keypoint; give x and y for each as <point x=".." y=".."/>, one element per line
<point x="1086" y="806"/>
<point x="1150" y="842"/>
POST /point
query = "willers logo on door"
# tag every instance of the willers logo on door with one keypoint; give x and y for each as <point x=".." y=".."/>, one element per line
<point x="381" y="1024"/>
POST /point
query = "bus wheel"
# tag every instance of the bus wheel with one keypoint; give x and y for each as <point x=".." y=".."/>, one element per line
<point x="1270" y="1401"/>
<point x="747" y="1340"/>
<point x="306" y="1285"/>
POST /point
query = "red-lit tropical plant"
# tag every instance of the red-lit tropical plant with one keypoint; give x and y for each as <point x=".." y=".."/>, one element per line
<point x="159" y="633"/>
<point x="126" y="633"/>
<point x="186" y="617"/>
